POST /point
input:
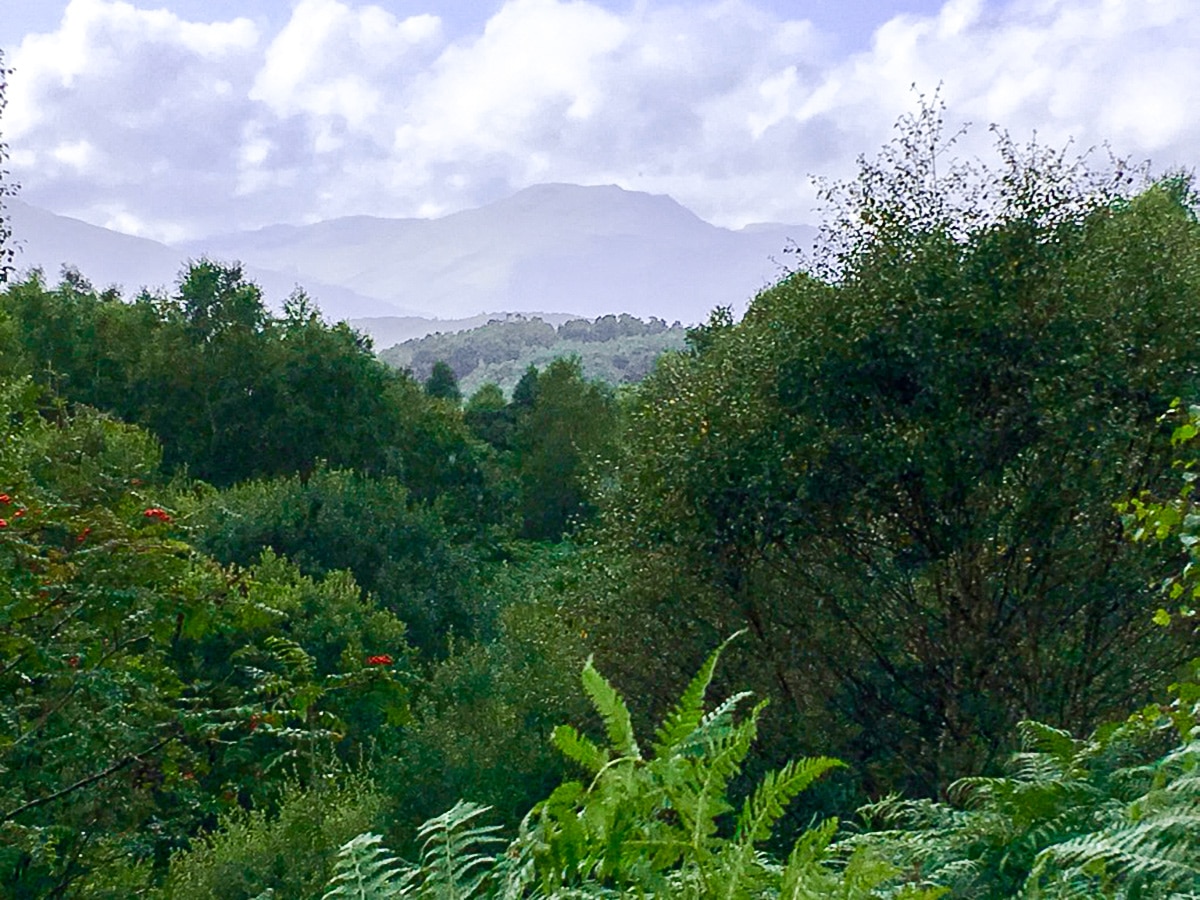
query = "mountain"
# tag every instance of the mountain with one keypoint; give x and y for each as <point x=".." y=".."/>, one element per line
<point x="49" y="241"/>
<point x="583" y="250"/>
<point x="586" y="250"/>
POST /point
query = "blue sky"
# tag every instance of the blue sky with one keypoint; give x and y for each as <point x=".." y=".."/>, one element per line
<point x="179" y="118"/>
<point x="852" y="21"/>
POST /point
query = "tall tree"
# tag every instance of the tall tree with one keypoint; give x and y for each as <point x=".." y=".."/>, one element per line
<point x="899" y="469"/>
<point x="7" y="250"/>
<point x="570" y="423"/>
<point x="442" y="383"/>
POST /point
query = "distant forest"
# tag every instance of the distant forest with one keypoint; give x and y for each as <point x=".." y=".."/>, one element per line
<point x="615" y="349"/>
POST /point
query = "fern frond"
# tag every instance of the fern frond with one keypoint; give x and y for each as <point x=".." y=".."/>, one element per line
<point x="777" y="789"/>
<point x="688" y="713"/>
<point x="365" y="871"/>
<point x="702" y="799"/>
<point x="612" y="709"/>
<point x="455" y="852"/>
<point x="805" y="876"/>
<point x="1038" y="737"/>
<point x="1161" y="850"/>
<point x="579" y="748"/>
<point x="717" y="725"/>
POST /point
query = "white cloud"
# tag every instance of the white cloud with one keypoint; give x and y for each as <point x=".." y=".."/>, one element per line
<point x="350" y="109"/>
<point x="76" y="154"/>
<point x="334" y="60"/>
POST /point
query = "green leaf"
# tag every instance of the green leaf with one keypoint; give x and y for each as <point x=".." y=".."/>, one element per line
<point x="612" y="709"/>
<point x="579" y="748"/>
<point x="688" y="713"/>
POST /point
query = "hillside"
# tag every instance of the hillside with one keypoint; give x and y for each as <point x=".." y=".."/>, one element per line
<point x="614" y="349"/>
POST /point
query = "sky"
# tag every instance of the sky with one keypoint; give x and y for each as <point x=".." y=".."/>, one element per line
<point x="177" y="119"/>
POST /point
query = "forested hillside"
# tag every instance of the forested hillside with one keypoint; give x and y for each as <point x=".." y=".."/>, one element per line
<point x="612" y="349"/>
<point x="885" y="591"/>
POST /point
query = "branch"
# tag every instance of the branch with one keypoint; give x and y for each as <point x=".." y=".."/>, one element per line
<point x="91" y="779"/>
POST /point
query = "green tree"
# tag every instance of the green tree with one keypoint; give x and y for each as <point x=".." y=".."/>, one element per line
<point x="234" y="392"/>
<point x="329" y="521"/>
<point x="898" y="470"/>
<point x="442" y="383"/>
<point x="488" y="417"/>
<point x="570" y="424"/>
<point x="526" y="390"/>
<point x="143" y="687"/>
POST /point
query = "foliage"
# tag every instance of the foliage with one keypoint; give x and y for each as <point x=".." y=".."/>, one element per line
<point x="454" y="864"/>
<point x="1151" y="519"/>
<point x="145" y="688"/>
<point x="643" y="825"/>
<point x="1116" y="815"/>
<point x="235" y="392"/>
<point x="292" y="852"/>
<point x="95" y="596"/>
<point x="569" y="426"/>
<point x="612" y="349"/>
<point x="483" y="716"/>
<point x="442" y="383"/>
<point x="404" y="554"/>
<point x="898" y="470"/>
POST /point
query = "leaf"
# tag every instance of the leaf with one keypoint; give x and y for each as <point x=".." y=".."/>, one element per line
<point x="365" y="871"/>
<point x="688" y="713"/>
<point x="579" y="748"/>
<point x="612" y="709"/>
<point x="777" y="789"/>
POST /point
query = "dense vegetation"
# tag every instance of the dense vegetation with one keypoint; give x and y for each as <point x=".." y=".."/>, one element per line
<point x="269" y="606"/>
<point x="613" y="349"/>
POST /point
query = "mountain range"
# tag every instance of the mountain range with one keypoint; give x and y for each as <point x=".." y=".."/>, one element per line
<point x="586" y="251"/>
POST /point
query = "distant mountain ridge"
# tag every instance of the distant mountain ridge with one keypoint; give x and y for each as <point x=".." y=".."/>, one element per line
<point x="586" y="251"/>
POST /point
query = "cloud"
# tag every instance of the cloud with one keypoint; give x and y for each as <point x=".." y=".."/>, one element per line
<point x="125" y="115"/>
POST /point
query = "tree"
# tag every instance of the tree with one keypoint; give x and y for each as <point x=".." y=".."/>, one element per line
<point x="339" y="521"/>
<point x="442" y="383"/>
<point x="234" y="392"/>
<point x="143" y="687"/>
<point x="899" y="469"/>
<point x="7" y="250"/>
<point x="569" y="426"/>
<point x="489" y="417"/>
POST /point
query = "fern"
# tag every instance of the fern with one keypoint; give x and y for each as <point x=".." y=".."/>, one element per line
<point x="365" y="871"/>
<point x="455" y="853"/>
<point x="579" y="749"/>
<point x="684" y="720"/>
<point x="612" y="709"/>
<point x="642" y="827"/>
<point x="760" y="812"/>
<point x="1110" y="816"/>
<point x="764" y="808"/>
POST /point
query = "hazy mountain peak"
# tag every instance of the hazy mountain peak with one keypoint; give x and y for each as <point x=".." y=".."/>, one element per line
<point x="587" y="250"/>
